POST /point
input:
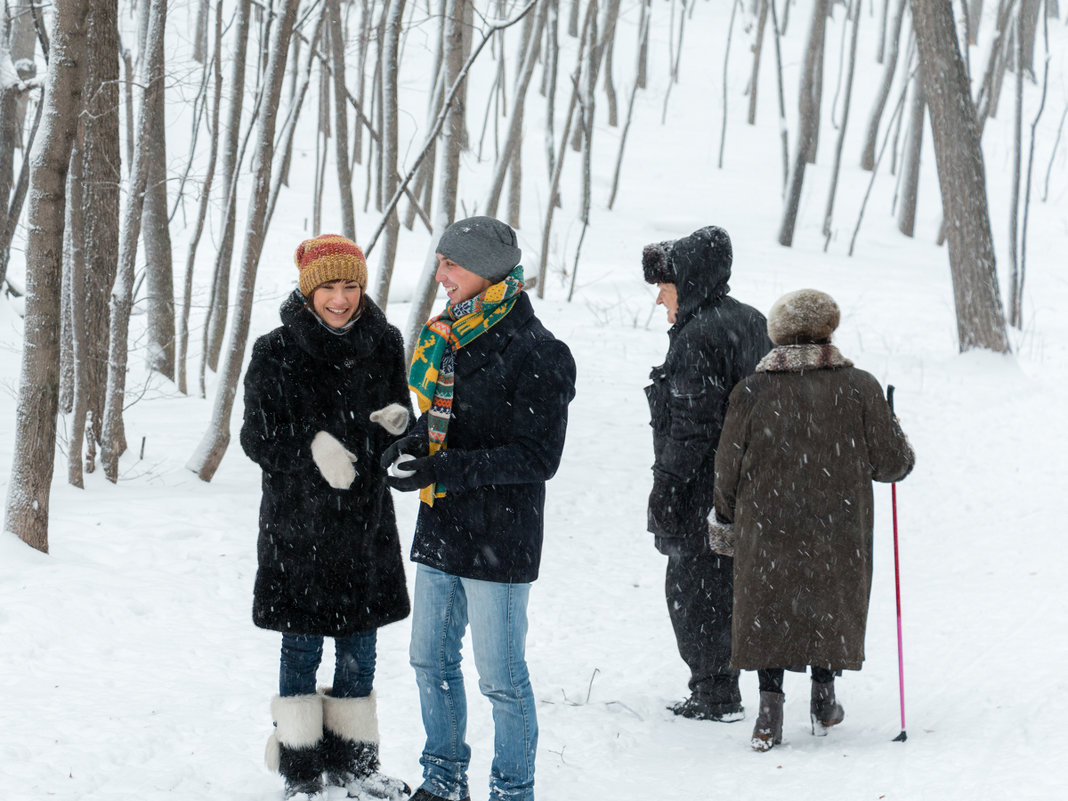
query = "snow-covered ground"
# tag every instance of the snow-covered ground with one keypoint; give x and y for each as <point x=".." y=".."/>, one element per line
<point x="129" y="664"/>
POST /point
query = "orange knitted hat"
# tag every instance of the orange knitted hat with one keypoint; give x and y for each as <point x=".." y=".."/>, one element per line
<point x="329" y="257"/>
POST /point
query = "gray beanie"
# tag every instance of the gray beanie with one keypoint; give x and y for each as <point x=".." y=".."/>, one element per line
<point x="481" y="245"/>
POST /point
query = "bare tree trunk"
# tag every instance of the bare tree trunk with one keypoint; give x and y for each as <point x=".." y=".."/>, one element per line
<point x="910" y="168"/>
<point x="758" y="47"/>
<point x="215" y="325"/>
<point x="644" y="33"/>
<point x="975" y="15"/>
<point x="73" y="263"/>
<point x="390" y="137"/>
<point x="867" y="156"/>
<point x="609" y="38"/>
<point x="213" y="446"/>
<point x="205" y="200"/>
<point x="1027" y="28"/>
<point x="591" y="12"/>
<point x="449" y="179"/>
<point x="156" y="238"/>
<point x="514" y="139"/>
<point x="809" y="112"/>
<point x="341" y="122"/>
<point x="33" y="462"/>
<point x="113" y="439"/>
<point x="955" y="132"/>
<point x="880" y="48"/>
<point x="726" y="62"/>
<point x="783" y="130"/>
<point x="983" y="100"/>
<point x="854" y="11"/>
<point x="1017" y="158"/>
<point x="643" y="48"/>
<point x="200" y="32"/>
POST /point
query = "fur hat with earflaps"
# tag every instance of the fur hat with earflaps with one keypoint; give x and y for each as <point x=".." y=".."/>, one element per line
<point x="803" y="317"/>
<point x="329" y="257"/>
<point x="656" y="265"/>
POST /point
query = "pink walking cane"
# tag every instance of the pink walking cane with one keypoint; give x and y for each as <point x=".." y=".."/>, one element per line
<point x="897" y="591"/>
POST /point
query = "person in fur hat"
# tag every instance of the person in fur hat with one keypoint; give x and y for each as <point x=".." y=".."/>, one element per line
<point x="714" y="342"/>
<point x="494" y="387"/>
<point x="803" y="441"/>
<point x="325" y="394"/>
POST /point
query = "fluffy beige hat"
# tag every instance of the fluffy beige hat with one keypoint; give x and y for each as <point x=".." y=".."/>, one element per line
<point x="803" y="317"/>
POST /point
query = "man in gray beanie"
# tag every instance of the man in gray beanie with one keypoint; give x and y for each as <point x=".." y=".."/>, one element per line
<point x="482" y="245"/>
<point x="493" y="385"/>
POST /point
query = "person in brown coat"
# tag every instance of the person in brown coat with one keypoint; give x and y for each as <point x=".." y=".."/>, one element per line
<point x="803" y="439"/>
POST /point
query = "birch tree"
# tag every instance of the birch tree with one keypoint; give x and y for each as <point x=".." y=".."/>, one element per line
<point x="29" y="489"/>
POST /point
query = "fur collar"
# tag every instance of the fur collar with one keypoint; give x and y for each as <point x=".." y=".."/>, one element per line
<point x="798" y="358"/>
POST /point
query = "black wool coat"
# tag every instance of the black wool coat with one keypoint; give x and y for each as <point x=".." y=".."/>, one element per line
<point x="329" y="560"/>
<point x="512" y="388"/>
<point x="715" y="342"/>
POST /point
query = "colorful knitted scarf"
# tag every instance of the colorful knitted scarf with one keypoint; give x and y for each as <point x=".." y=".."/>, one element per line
<point x="433" y="364"/>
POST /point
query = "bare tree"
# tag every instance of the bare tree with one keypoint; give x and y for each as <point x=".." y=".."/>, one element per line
<point x="808" y="122"/>
<point x="758" y="48"/>
<point x="156" y="237"/>
<point x="202" y="211"/>
<point x="29" y="489"/>
<point x="215" y="325"/>
<point x="514" y="138"/>
<point x="961" y="176"/>
<point x="910" y="168"/>
<point x="213" y="445"/>
<point x="341" y="125"/>
<point x="390" y="136"/>
<point x="113" y="439"/>
<point x="867" y="156"/>
<point x="854" y="12"/>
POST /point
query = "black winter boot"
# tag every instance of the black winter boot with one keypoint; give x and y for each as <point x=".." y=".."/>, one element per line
<point x="824" y="709"/>
<point x="767" y="733"/>
<point x="722" y="703"/>
<point x="350" y="750"/>
<point x="295" y="747"/>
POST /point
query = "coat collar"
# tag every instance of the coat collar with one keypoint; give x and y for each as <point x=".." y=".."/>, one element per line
<point x="799" y="358"/>
<point x="312" y="335"/>
<point x="477" y="353"/>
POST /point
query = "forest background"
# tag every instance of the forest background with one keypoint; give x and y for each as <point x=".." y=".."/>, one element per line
<point x="146" y="193"/>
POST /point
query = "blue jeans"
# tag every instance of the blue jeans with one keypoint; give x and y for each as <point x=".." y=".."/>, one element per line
<point x="354" y="664"/>
<point x="497" y="613"/>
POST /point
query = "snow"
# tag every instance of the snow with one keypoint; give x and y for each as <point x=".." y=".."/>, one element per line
<point x="129" y="662"/>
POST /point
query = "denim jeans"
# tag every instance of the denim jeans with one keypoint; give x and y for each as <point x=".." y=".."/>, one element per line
<point x="354" y="664"/>
<point x="497" y="613"/>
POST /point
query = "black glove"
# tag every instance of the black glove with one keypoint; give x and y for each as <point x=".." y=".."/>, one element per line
<point x="411" y="445"/>
<point x="665" y="507"/>
<point x="423" y="474"/>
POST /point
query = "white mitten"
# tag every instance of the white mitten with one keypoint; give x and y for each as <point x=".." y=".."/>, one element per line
<point x="393" y="418"/>
<point x="333" y="461"/>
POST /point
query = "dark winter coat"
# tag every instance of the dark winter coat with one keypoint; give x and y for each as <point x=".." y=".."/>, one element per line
<point x="512" y="388"/>
<point x="329" y="560"/>
<point x="715" y="343"/>
<point x="803" y="440"/>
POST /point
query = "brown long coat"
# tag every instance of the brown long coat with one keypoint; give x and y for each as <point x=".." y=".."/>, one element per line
<point x="802" y="442"/>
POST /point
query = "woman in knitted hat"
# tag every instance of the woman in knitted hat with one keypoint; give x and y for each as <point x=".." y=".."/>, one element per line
<point x="325" y="394"/>
<point x="803" y="440"/>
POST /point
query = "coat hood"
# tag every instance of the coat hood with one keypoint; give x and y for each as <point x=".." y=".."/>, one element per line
<point x="701" y="263"/>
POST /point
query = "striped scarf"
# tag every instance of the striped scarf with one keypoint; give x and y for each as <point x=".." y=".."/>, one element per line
<point x="433" y="364"/>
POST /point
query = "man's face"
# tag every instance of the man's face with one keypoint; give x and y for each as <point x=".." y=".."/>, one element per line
<point x="668" y="297"/>
<point x="460" y="284"/>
